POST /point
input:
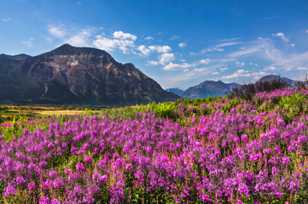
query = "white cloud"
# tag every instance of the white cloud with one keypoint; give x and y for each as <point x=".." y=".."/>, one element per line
<point x="56" y="31"/>
<point x="160" y="48"/>
<point x="283" y="38"/>
<point x="166" y="58"/>
<point x="228" y="44"/>
<point x="182" y="45"/>
<point x="242" y="73"/>
<point x="143" y="50"/>
<point x="119" y="40"/>
<point x="230" y="39"/>
<point x="253" y="59"/>
<point x="165" y="54"/>
<point x="81" y="39"/>
<point x="149" y="38"/>
<point x="153" y="62"/>
<point x="213" y="49"/>
<point x="172" y="66"/>
<point x="120" y="35"/>
<point x="104" y="43"/>
<point x="249" y="50"/>
<point x="290" y="61"/>
<point x="204" y="61"/>
<point x="221" y="46"/>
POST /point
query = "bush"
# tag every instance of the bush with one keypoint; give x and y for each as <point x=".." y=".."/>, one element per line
<point x="233" y="103"/>
<point x="164" y="110"/>
<point x="249" y="90"/>
<point x="292" y="106"/>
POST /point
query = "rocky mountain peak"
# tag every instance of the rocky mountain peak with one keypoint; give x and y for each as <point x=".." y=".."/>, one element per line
<point x="69" y="50"/>
<point x="78" y="75"/>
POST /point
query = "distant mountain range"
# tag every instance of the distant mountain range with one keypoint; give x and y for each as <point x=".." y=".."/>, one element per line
<point x="219" y="88"/>
<point x="73" y="75"/>
<point x="89" y="76"/>
<point x="269" y="78"/>
<point x="176" y="91"/>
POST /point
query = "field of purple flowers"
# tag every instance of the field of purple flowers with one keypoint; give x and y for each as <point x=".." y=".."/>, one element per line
<point x="216" y="151"/>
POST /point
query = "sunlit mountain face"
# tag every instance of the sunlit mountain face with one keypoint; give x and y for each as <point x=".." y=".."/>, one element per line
<point x="75" y="75"/>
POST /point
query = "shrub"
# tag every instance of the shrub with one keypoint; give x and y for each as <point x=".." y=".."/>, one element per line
<point x="165" y="110"/>
<point x="292" y="106"/>
<point x="234" y="102"/>
<point x="249" y="90"/>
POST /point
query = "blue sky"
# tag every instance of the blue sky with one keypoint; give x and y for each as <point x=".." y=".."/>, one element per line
<point x="178" y="43"/>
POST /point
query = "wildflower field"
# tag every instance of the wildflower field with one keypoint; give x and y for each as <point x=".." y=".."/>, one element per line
<point x="213" y="150"/>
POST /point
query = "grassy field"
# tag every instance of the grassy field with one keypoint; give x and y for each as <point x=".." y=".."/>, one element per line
<point x="212" y="150"/>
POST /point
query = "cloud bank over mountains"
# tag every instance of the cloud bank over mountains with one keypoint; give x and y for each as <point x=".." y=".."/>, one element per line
<point x="232" y="59"/>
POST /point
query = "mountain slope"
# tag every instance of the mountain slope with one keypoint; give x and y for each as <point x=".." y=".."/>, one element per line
<point x="73" y="75"/>
<point x="176" y="91"/>
<point x="209" y="88"/>
<point x="219" y="88"/>
<point x="272" y="77"/>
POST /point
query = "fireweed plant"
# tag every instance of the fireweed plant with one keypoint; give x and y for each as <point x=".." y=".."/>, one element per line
<point x="232" y="152"/>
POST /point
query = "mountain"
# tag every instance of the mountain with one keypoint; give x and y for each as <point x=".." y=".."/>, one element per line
<point x="272" y="77"/>
<point x="176" y="91"/>
<point x="219" y="88"/>
<point x="209" y="88"/>
<point x="74" y="75"/>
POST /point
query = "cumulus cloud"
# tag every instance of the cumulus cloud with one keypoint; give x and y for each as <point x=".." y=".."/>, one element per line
<point x="104" y="43"/>
<point x="120" y="35"/>
<point x="144" y="50"/>
<point x="281" y="36"/>
<point x="166" y="58"/>
<point x="252" y="60"/>
<point x="182" y="45"/>
<point x="204" y="61"/>
<point x="149" y="38"/>
<point x="56" y="31"/>
<point x="80" y="39"/>
<point x="172" y="66"/>
<point x="160" y="48"/>
<point x="119" y="40"/>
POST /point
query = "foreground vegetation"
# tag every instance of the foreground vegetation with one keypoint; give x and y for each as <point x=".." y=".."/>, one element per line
<point x="213" y="150"/>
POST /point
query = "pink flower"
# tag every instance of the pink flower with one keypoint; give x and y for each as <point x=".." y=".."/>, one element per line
<point x="80" y="167"/>
<point x="9" y="190"/>
<point x="88" y="159"/>
<point x="31" y="186"/>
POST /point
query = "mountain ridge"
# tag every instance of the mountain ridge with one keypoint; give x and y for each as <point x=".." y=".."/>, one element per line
<point x="220" y="88"/>
<point x="76" y="75"/>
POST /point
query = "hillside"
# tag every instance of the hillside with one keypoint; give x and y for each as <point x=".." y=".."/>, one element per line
<point x="219" y="88"/>
<point x="73" y="75"/>
<point x="213" y="150"/>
